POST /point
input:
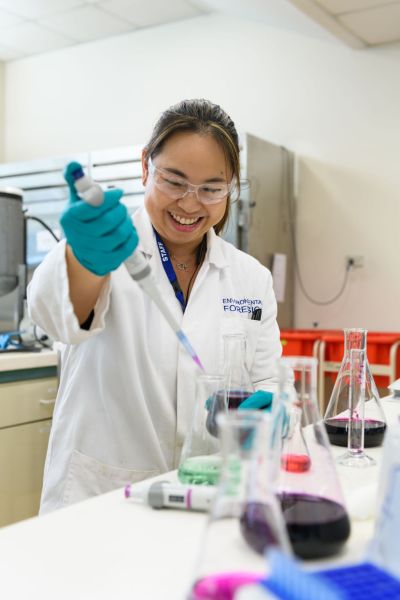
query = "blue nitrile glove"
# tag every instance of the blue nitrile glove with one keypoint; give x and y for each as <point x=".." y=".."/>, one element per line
<point x="260" y="400"/>
<point x="101" y="237"/>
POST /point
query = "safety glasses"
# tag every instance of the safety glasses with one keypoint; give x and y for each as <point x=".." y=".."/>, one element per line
<point x="177" y="187"/>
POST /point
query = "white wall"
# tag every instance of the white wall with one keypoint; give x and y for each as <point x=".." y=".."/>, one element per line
<point x="338" y="108"/>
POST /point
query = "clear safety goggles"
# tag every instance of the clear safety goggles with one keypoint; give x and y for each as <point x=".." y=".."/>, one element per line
<point x="177" y="187"/>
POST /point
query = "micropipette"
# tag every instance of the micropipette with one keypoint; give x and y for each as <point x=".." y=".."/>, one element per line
<point x="163" y="494"/>
<point x="138" y="267"/>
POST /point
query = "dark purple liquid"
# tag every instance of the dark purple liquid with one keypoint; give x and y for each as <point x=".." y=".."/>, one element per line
<point x="255" y="528"/>
<point x="337" y="430"/>
<point x="235" y="398"/>
<point x="317" y="527"/>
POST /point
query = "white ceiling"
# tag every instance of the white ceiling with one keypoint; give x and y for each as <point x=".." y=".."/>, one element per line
<point x="30" y="27"/>
<point x="33" y="26"/>
<point x="359" y="23"/>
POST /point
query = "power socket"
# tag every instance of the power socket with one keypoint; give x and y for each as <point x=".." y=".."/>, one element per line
<point x="354" y="261"/>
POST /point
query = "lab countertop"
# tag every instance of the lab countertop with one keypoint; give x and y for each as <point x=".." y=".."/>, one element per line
<point x="14" y="361"/>
<point x="111" y="548"/>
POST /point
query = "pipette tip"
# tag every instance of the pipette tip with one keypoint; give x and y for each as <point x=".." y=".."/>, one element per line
<point x="198" y="362"/>
<point x="184" y="340"/>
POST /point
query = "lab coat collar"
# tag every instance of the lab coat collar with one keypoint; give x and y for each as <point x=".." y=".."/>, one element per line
<point x="147" y="243"/>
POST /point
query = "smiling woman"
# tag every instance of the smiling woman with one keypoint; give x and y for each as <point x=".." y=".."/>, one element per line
<point x="127" y="390"/>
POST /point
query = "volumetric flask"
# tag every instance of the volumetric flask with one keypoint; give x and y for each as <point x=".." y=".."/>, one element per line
<point x="309" y="489"/>
<point x="337" y="414"/>
<point x="238" y="385"/>
<point x="201" y="459"/>
<point x="355" y="455"/>
<point x="245" y="517"/>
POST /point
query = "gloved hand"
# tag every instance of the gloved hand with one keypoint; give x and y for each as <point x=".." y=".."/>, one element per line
<point x="101" y="237"/>
<point x="260" y="400"/>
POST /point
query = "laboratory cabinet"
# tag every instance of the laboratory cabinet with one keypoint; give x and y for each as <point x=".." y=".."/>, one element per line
<point x="26" y="408"/>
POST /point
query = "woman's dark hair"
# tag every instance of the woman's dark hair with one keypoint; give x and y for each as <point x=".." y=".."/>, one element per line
<point x="204" y="117"/>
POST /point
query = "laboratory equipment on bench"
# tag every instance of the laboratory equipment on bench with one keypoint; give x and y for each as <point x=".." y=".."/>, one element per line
<point x="138" y="267"/>
<point x="12" y="259"/>
<point x="287" y="580"/>
<point x="238" y="385"/>
<point x="309" y="490"/>
<point x="200" y="459"/>
<point x="245" y="518"/>
<point x="295" y="455"/>
<point x="338" y="414"/>
<point x="164" y="494"/>
<point x="355" y="455"/>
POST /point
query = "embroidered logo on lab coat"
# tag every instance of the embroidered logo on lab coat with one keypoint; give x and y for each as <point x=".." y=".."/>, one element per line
<point x="241" y="305"/>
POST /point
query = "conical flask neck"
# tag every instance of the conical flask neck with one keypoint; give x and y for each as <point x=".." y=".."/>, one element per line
<point x="237" y="379"/>
<point x="355" y="339"/>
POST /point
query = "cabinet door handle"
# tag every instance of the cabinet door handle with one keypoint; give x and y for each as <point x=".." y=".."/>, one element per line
<point x="47" y="402"/>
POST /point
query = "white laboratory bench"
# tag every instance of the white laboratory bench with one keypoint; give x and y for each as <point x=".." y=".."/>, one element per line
<point x="110" y="548"/>
<point x="15" y="361"/>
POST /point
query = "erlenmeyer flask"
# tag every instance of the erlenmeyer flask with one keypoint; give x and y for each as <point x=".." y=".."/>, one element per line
<point x="245" y="518"/>
<point x="200" y="458"/>
<point x="238" y="385"/>
<point x="337" y="414"/>
<point x="295" y="457"/>
<point x="355" y="455"/>
<point x="311" y="497"/>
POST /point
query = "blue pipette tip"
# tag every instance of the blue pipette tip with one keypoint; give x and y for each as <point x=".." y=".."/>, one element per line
<point x="183" y="339"/>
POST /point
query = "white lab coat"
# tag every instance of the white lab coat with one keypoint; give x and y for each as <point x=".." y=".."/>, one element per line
<point x="127" y="386"/>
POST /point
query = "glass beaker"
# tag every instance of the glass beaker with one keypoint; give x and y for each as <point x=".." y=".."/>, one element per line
<point x="245" y="517"/>
<point x="238" y="385"/>
<point x="355" y="455"/>
<point x="337" y="414"/>
<point x="200" y="458"/>
<point x="309" y="489"/>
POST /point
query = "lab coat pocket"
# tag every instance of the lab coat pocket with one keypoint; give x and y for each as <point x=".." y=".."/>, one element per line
<point x="251" y="329"/>
<point x="88" y="477"/>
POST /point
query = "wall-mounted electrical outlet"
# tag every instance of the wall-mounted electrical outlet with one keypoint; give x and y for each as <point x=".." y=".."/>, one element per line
<point x="354" y="261"/>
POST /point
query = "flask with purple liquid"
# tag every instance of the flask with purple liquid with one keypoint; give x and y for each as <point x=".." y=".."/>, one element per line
<point x="238" y="385"/>
<point x="245" y="517"/>
<point x="339" y="414"/>
<point x="309" y="489"/>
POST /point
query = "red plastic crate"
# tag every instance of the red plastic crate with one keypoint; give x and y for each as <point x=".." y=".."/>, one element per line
<point x="378" y="351"/>
<point x="299" y="342"/>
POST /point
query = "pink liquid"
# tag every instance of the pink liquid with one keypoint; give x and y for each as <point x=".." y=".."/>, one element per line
<point x="296" y="463"/>
<point x="221" y="586"/>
